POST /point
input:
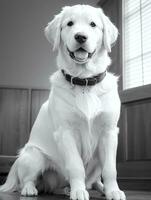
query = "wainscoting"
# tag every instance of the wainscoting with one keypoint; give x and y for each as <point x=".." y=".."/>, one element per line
<point x="134" y="150"/>
<point x="18" y="110"/>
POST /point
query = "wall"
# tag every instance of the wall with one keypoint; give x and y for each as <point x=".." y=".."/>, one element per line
<point x="25" y="56"/>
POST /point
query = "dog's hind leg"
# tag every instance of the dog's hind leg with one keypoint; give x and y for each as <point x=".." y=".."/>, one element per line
<point x="31" y="163"/>
<point x="94" y="180"/>
<point x="98" y="185"/>
<point x="11" y="183"/>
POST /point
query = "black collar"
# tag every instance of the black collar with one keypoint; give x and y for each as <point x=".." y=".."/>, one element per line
<point x="90" y="81"/>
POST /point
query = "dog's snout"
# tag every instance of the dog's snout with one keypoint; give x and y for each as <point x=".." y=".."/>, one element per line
<point x="80" y="38"/>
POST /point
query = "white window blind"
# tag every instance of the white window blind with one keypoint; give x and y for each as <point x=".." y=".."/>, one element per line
<point x="137" y="43"/>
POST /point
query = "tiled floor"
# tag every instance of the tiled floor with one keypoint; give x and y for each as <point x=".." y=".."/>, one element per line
<point x="131" y="195"/>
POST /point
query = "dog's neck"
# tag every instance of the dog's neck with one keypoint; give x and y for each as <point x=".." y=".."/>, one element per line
<point x="98" y="64"/>
<point x="91" y="81"/>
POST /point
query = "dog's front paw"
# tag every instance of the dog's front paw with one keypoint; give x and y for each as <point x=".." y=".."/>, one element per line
<point x="29" y="190"/>
<point x="79" y="194"/>
<point x="115" y="195"/>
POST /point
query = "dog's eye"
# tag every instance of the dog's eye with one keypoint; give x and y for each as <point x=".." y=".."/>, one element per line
<point x="70" y="23"/>
<point x="92" y="24"/>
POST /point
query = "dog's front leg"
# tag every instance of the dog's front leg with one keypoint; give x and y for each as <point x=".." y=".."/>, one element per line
<point x="74" y="167"/>
<point x="107" y="151"/>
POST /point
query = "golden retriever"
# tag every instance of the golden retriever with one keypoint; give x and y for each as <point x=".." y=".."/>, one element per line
<point x="74" y="138"/>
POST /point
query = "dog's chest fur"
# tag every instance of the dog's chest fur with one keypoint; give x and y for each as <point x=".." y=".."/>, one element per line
<point x="80" y="109"/>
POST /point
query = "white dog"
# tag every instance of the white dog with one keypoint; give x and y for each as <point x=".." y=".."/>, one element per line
<point x="74" y="138"/>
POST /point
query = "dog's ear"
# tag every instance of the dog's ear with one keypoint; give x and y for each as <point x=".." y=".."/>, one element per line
<point x="53" y="30"/>
<point x="110" y="32"/>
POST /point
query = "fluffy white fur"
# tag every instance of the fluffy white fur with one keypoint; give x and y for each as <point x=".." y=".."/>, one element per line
<point x="74" y="138"/>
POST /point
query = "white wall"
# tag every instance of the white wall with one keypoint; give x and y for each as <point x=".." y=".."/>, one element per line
<point x="25" y="56"/>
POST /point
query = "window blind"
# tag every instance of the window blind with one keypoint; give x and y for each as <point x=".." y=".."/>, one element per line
<point x="136" y="43"/>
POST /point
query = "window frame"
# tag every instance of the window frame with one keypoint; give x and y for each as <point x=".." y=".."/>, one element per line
<point x="135" y="93"/>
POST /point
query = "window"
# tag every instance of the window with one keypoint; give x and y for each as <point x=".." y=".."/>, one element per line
<point x="136" y="43"/>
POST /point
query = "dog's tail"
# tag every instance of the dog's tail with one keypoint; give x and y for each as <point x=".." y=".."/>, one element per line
<point x="11" y="183"/>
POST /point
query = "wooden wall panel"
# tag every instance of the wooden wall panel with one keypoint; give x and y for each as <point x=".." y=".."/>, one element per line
<point x="13" y="120"/>
<point x="38" y="97"/>
<point x="139" y="130"/>
<point x="18" y="110"/>
<point x="134" y="150"/>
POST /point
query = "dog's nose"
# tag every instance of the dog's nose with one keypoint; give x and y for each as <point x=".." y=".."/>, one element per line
<point x="80" y="38"/>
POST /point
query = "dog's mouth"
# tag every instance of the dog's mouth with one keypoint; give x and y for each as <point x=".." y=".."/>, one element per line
<point x="80" y="55"/>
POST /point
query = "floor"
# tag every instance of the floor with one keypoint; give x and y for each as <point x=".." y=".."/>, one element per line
<point x="131" y="195"/>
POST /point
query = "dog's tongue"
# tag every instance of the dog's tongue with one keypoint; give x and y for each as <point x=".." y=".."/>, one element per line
<point x="81" y="54"/>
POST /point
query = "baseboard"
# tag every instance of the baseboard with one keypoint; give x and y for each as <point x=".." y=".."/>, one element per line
<point x="135" y="183"/>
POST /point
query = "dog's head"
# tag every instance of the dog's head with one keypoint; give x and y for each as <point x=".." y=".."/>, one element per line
<point x="81" y="30"/>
